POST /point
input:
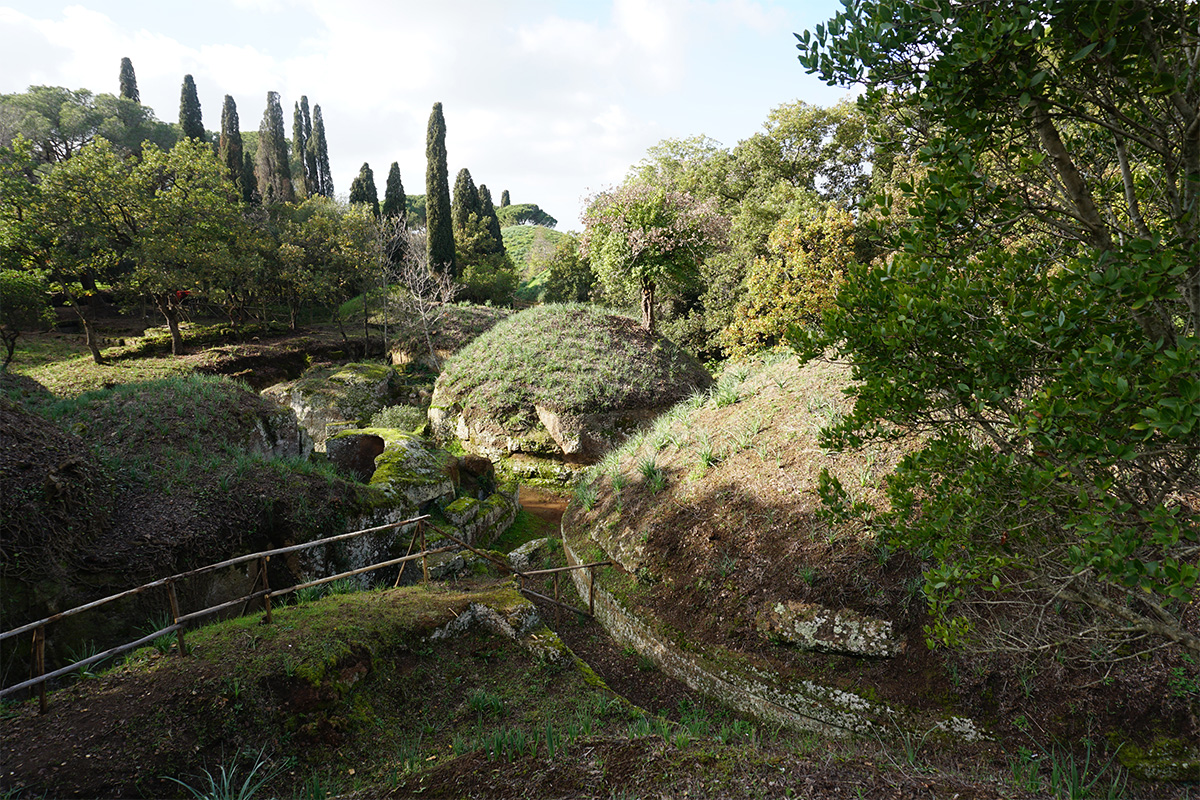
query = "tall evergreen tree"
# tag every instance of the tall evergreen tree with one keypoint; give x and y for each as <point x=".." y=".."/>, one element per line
<point x="129" y="88"/>
<point x="249" y="181"/>
<point x="487" y="212"/>
<point x="439" y="225"/>
<point x="362" y="189"/>
<point x="504" y="201"/>
<point x="320" y="148"/>
<point x="310" y="157"/>
<point x="466" y="200"/>
<point x="230" y="151"/>
<point x="271" y="167"/>
<point x="301" y="178"/>
<point x="191" y="126"/>
<point x="395" y="204"/>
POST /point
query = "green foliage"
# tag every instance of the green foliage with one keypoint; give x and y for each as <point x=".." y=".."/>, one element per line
<point x="439" y="223"/>
<point x="466" y="200"/>
<point x="809" y="255"/>
<point x="638" y="236"/>
<point x="1040" y="323"/>
<point x="362" y="189"/>
<point x="24" y="305"/>
<point x="191" y="126"/>
<point x="402" y="418"/>
<point x="322" y="177"/>
<point x="568" y="273"/>
<point x="272" y="170"/>
<point x="230" y="151"/>
<point x="524" y="214"/>
<point x="395" y="204"/>
<point x="129" y="88"/>
<point x="227" y="783"/>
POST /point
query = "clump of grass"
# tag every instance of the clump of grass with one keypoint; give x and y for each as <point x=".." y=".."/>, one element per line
<point x="401" y="418"/>
<point x="655" y="478"/>
<point x="225" y="784"/>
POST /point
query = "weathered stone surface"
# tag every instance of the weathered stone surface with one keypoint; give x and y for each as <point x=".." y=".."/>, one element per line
<point x="327" y="396"/>
<point x="1164" y="759"/>
<point x="826" y="630"/>
<point x="408" y="468"/>
<point x="280" y="435"/>
<point x="527" y="554"/>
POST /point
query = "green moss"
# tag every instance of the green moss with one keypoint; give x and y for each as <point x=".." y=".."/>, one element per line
<point x="1164" y="759"/>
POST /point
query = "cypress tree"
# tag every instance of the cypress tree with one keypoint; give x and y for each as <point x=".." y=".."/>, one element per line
<point x="299" y="147"/>
<point x="395" y="204"/>
<point x="249" y="183"/>
<point x="129" y="88"/>
<point x="504" y="201"/>
<point x="310" y="157"/>
<point x="229" y="150"/>
<point x="271" y="170"/>
<point x="487" y="212"/>
<point x="320" y="148"/>
<point x="190" y="124"/>
<point x="439" y="225"/>
<point x="362" y="189"/>
<point x="466" y="200"/>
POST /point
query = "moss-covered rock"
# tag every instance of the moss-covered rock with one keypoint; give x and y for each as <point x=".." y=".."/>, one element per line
<point x="327" y="396"/>
<point x="1164" y="759"/>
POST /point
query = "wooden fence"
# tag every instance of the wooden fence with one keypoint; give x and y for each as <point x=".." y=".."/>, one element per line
<point x="39" y="676"/>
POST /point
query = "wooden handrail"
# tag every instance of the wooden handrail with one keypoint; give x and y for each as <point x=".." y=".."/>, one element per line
<point x="200" y="571"/>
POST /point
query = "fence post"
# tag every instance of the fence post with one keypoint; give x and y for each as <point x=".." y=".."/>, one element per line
<point x="592" y="592"/>
<point x="262" y="568"/>
<point x="173" y="602"/>
<point x="557" y="607"/>
<point x="38" y="666"/>
<point x="424" y="557"/>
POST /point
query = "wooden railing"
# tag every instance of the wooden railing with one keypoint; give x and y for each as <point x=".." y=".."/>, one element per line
<point x="39" y="676"/>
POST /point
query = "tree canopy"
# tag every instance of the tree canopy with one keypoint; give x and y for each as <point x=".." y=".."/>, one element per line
<point x="438" y="216"/>
<point x="191" y="126"/>
<point x="640" y="236"/>
<point x="1039" y="317"/>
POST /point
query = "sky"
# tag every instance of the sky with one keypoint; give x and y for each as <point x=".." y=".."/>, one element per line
<point x="551" y="100"/>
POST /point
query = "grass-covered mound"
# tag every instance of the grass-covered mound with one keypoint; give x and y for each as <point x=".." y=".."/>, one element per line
<point x="528" y="245"/>
<point x="572" y="361"/>
<point x="716" y="520"/>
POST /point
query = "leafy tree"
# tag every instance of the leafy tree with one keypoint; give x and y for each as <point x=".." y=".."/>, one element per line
<point x="24" y="305"/>
<point x="569" y="277"/>
<point x="810" y="254"/>
<point x="56" y="120"/>
<point x="320" y="261"/>
<point x="466" y="200"/>
<point x="524" y="214"/>
<point x="1040" y="318"/>
<point x="504" y="200"/>
<point x="129" y="89"/>
<point x="190" y="124"/>
<point x="229" y="149"/>
<point x="439" y="223"/>
<point x="130" y="125"/>
<point x="395" y="204"/>
<point x="320" y="149"/>
<point x="271" y="167"/>
<point x="362" y="189"/>
<point x="640" y="236"/>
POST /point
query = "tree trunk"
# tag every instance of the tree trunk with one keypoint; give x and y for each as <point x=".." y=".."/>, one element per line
<point x="648" y="305"/>
<point x="93" y="340"/>
<point x="163" y="301"/>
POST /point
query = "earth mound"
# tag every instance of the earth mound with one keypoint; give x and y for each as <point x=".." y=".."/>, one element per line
<point x="727" y="565"/>
<point x="560" y="382"/>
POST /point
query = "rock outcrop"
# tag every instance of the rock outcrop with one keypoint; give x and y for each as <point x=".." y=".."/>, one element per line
<point x="329" y="398"/>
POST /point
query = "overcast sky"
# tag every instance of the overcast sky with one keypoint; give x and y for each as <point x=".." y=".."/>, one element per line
<point x="550" y="100"/>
